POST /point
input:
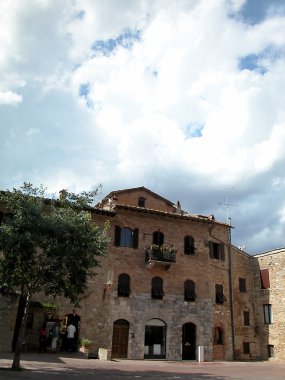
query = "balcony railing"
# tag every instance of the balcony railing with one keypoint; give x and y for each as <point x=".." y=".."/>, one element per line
<point x="163" y="255"/>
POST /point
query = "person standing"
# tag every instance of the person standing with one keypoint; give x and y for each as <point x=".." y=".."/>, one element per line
<point x="43" y="336"/>
<point x="71" y="330"/>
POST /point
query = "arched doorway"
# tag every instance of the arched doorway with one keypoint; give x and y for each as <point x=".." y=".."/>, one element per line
<point x="155" y="339"/>
<point x="120" y="339"/>
<point x="189" y="341"/>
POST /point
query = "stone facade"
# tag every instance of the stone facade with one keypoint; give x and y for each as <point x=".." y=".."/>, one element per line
<point x="125" y="311"/>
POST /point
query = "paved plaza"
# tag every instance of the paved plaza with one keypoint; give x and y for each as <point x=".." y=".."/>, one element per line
<point x="74" y="366"/>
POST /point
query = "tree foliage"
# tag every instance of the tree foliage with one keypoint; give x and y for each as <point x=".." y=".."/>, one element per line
<point x="49" y="245"/>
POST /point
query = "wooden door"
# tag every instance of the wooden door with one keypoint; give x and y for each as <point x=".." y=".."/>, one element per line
<point x="120" y="339"/>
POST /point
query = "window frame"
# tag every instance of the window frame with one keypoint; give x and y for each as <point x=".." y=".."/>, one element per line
<point x="120" y="242"/>
<point x="189" y="245"/>
<point x="267" y="314"/>
<point x="189" y="291"/>
<point x="242" y="285"/>
<point x="124" y="285"/>
<point x="216" y="250"/>
<point x="219" y="293"/>
<point x="157" y="288"/>
<point x="246" y="348"/>
<point x="246" y="318"/>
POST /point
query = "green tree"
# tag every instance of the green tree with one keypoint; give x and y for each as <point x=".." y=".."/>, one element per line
<point x="48" y="246"/>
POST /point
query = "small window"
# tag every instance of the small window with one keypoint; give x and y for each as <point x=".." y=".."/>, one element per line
<point x="141" y="202"/>
<point x="126" y="237"/>
<point x="246" y="320"/>
<point x="158" y="238"/>
<point x="124" y="285"/>
<point x="246" y="348"/>
<point x="216" y="250"/>
<point x="218" y="336"/>
<point x="264" y="279"/>
<point x="242" y="285"/>
<point x="157" y="288"/>
<point x="189" y="291"/>
<point x="189" y="248"/>
<point x="267" y="313"/>
<point x="220" y="298"/>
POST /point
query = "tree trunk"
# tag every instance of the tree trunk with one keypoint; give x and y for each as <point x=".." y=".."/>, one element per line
<point x="17" y="353"/>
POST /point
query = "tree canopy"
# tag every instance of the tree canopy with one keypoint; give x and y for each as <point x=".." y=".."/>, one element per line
<point x="48" y="245"/>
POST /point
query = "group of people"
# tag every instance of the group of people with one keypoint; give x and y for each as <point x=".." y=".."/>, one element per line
<point x="52" y="337"/>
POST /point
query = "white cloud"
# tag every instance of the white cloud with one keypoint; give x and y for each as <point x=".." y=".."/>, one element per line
<point x="9" y="97"/>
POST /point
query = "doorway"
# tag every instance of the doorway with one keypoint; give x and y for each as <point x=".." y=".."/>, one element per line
<point x="189" y="341"/>
<point x="120" y="339"/>
<point x="155" y="339"/>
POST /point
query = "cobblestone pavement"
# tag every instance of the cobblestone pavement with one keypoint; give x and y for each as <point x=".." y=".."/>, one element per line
<point x="74" y="366"/>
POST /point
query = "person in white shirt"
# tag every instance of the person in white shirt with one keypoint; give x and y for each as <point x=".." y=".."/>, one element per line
<point x="71" y="330"/>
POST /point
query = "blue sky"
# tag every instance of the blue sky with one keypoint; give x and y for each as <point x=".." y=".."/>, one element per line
<point x="185" y="98"/>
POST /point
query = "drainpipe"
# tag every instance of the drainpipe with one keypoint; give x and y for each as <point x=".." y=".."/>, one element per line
<point x="231" y="287"/>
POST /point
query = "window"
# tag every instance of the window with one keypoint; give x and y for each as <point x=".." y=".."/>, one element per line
<point x="125" y="237"/>
<point x="246" y="348"/>
<point x="189" y="291"/>
<point x="216" y="250"/>
<point x="220" y="298"/>
<point x="264" y="279"/>
<point x="124" y="285"/>
<point x="141" y="202"/>
<point x="157" y="238"/>
<point x="246" y="320"/>
<point x="267" y="312"/>
<point x="189" y="248"/>
<point x="218" y="336"/>
<point x="157" y="288"/>
<point x="242" y="285"/>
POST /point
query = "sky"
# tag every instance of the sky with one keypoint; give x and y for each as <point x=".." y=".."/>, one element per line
<point x="184" y="97"/>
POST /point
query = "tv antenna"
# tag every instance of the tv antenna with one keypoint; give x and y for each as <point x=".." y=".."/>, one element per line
<point x="227" y="204"/>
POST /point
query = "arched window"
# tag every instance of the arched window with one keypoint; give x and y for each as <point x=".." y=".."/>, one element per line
<point x="157" y="238"/>
<point x="124" y="288"/>
<point x="157" y="288"/>
<point x="218" y="336"/>
<point x="189" y="291"/>
<point x="189" y="248"/>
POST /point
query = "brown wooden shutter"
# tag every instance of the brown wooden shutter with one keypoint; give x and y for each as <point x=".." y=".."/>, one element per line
<point x="117" y="239"/>
<point x="211" y="249"/>
<point x="264" y="279"/>
<point x="222" y="252"/>
<point x="135" y="242"/>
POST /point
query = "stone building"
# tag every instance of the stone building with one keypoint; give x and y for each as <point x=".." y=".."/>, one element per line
<point x="171" y="286"/>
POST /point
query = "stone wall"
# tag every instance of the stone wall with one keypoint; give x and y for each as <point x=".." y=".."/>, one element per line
<point x="8" y="314"/>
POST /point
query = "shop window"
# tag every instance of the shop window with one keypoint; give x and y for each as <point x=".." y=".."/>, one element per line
<point x="242" y="285"/>
<point x="141" y="202"/>
<point x="157" y="288"/>
<point x="220" y="298"/>
<point x="126" y="237"/>
<point x="189" y="248"/>
<point x="267" y="313"/>
<point x="218" y="336"/>
<point x="158" y="238"/>
<point x="217" y="250"/>
<point x="124" y="288"/>
<point x="264" y="279"/>
<point x="246" y="348"/>
<point x="246" y="319"/>
<point x="189" y="291"/>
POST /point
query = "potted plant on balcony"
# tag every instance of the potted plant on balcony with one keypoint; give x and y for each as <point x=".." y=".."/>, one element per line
<point x="85" y="344"/>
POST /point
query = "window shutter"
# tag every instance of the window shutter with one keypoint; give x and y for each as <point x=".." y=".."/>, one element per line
<point x="211" y="249"/>
<point x="135" y="242"/>
<point x="117" y="239"/>
<point x="223" y="252"/>
<point x="264" y="279"/>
